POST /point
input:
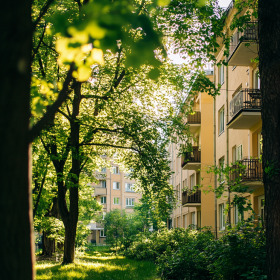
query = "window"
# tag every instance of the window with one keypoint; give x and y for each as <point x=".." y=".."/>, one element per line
<point x="256" y="79"/>
<point x="221" y="119"/>
<point x="116" y="200"/>
<point x="237" y="153"/>
<point x="222" y="216"/>
<point x="129" y="187"/>
<point x="221" y="166"/>
<point x="103" y="183"/>
<point x="221" y="73"/>
<point x="238" y="216"/>
<point x="103" y="169"/>
<point x="193" y="223"/>
<point x="116" y="170"/>
<point x="192" y="181"/>
<point x="103" y="215"/>
<point x="103" y="199"/>
<point x="129" y="202"/>
<point x="102" y="233"/>
<point x="116" y="185"/>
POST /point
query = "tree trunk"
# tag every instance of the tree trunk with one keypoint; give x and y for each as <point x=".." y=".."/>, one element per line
<point x="269" y="49"/>
<point x="16" y="234"/>
<point x="70" y="217"/>
<point x="48" y="245"/>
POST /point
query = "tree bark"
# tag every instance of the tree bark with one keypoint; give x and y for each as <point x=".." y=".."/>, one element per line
<point x="49" y="243"/>
<point x="269" y="65"/>
<point x="70" y="217"/>
<point x="16" y="234"/>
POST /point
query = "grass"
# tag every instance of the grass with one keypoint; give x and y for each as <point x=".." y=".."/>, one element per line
<point x="98" y="264"/>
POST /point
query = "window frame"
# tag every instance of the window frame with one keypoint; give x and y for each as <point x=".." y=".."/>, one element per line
<point x="221" y="120"/>
<point x="131" y="187"/>
<point x="102" y="183"/>
<point x="102" y="233"/>
<point x="116" y="170"/>
<point x="131" y="200"/>
<point x="116" y="201"/>
<point x="115" y="183"/>
<point x="222" y="218"/>
<point x="102" y="199"/>
<point x="221" y="74"/>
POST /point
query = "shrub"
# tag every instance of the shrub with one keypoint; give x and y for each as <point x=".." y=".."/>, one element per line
<point x="189" y="254"/>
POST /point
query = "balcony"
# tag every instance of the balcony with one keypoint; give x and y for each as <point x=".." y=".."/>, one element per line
<point x="248" y="171"/>
<point x="100" y="175"/>
<point x="194" y="121"/>
<point x="244" y="45"/>
<point x="245" y="109"/>
<point x="191" y="160"/>
<point x="191" y="199"/>
<point x="98" y="190"/>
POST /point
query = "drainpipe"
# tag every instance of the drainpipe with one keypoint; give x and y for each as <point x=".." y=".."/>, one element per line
<point x="215" y="162"/>
<point x="227" y="144"/>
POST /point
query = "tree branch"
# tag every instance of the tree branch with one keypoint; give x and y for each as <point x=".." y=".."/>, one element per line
<point x="111" y="145"/>
<point x="42" y="13"/>
<point x="40" y="42"/>
<point x="49" y="115"/>
<point x="64" y="114"/>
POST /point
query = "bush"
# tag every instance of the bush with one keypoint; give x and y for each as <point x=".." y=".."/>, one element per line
<point x="239" y="254"/>
<point x="189" y="254"/>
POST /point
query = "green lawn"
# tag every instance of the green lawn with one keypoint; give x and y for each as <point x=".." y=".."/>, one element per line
<point x="97" y="265"/>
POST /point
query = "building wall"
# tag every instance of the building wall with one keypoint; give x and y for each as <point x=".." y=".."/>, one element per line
<point x="201" y="215"/>
<point x="236" y="77"/>
<point x="115" y="198"/>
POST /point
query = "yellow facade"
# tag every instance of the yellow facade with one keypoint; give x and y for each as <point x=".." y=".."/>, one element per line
<point x="114" y="191"/>
<point x="195" y="208"/>
<point x="230" y="132"/>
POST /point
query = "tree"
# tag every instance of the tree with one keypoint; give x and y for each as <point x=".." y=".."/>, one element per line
<point x="121" y="228"/>
<point x="269" y="36"/>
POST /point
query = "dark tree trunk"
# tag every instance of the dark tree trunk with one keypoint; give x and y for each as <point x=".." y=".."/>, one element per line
<point x="49" y="243"/>
<point x="16" y="234"/>
<point x="70" y="217"/>
<point x="269" y="44"/>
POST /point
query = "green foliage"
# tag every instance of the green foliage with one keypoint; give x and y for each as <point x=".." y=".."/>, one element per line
<point x="239" y="254"/>
<point x="190" y="254"/>
<point x="120" y="228"/>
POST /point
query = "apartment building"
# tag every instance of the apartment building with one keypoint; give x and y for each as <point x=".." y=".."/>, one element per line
<point x="238" y="115"/>
<point x="115" y="190"/>
<point x="194" y="207"/>
<point x="226" y="131"/>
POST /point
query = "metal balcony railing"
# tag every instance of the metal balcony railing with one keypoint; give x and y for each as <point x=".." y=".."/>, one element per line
<point x="245" y="99"/>
<point x="192" y="157"/>
<point x="194" y="118"/>
<point x="188" y="197"/>
<point x="249" y="34"/>
<point x="247" y="170"/>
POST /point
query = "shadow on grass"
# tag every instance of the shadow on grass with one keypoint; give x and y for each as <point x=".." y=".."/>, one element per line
<point x="98" y="265"/>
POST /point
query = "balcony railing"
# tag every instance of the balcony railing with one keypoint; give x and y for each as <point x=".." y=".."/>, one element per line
<point x="247" y="170"/>
<point x="249" y="34"/>
<point x="192" y="157"/>
<point x="194" y="118"/>
<point x="191" y="198"/>
<point x="245" y="99"/>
